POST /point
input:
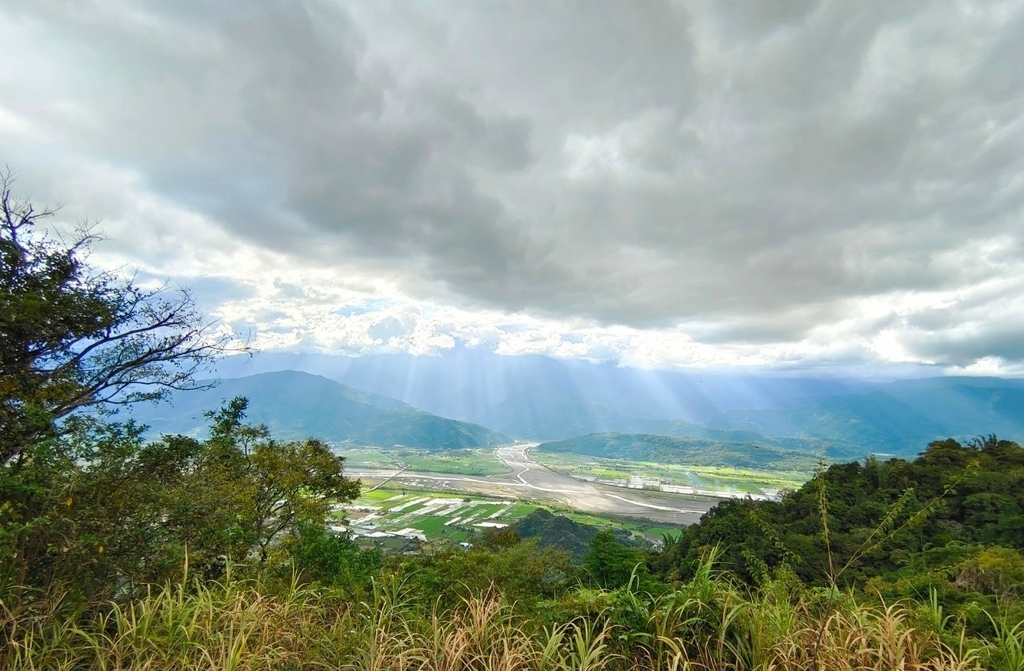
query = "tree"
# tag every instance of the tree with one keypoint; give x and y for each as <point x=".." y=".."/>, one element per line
<point x="72" y="336"/>
<point x="610" y="563"/>
<point x="281" y="484"/>
<point x="113" y="513"/>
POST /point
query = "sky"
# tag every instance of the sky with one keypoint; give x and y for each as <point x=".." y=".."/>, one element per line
<point x="785" y="185"/>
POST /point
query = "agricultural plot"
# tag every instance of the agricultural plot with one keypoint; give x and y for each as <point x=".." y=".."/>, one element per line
<point x="677" y="478"/>
<point x="428" y="517"/>
<point x="402" y="520"/>
<point x="475" y="462"/>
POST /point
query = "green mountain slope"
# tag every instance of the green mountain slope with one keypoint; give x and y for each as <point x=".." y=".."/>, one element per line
<point x="562" y="533"/>
<point x="299" y="405"/>
<point x="880" y="515"/>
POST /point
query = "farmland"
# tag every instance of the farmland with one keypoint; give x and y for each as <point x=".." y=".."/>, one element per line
<point x="714" y="480"/>
<point x="479" y="462"/>
<point x="393" y="517"/>
<point x="418" y="496"/>
<point x="400" y="520"/>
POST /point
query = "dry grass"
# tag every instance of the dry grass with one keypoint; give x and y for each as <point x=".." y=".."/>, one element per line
<point x="243" y="627"/>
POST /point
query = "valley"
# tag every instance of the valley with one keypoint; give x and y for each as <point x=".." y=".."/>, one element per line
<point x="523" y="478"/>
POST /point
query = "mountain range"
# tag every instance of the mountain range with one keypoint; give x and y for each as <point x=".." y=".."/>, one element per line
<point x="539" y="398"/>
<point x="296" y="405"/>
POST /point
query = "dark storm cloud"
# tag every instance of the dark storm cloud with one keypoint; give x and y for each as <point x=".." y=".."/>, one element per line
<point x="965" y="344"/>
<point x="273" y="118"/>
<point x="748" y="171"/>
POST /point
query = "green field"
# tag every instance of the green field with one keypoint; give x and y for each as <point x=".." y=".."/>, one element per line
<point x="405" y="509"/>
<point x="377" y="496"/>
<point x="443" y="517"/>
<point x="432" y="525"/>
<point x="711" y="478"/>
<point x="480" y="462"/>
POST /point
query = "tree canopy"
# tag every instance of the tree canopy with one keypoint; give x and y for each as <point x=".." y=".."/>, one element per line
<point x="88" y="503"/>
<point x="858" y="520"/>
<point x="73" y="336"/>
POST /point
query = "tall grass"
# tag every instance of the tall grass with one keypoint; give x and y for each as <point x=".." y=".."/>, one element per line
<point x="234" y="626"/>
<point x="709" y="624"/>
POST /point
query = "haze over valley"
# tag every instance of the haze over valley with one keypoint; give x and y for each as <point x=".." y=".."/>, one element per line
<point x="536" y="398"/>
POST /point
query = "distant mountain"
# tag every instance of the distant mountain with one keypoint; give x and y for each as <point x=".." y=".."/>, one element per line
<point x="298" y="405"/>
<point x="540" y="398"/>
<point x="690" y="451"/>
<point x="899" y="418"/>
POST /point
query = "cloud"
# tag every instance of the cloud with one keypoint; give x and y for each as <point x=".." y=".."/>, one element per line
<point x="699" y="182"/>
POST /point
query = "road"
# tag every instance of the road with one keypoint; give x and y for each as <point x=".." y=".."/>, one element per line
<point x="531" y="480"/>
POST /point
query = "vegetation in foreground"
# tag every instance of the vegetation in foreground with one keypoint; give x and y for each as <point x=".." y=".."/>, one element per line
<point x="709" y="623"/>
<point x="303" y="598"/>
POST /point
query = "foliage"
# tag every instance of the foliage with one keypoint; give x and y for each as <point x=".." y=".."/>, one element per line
<point x="278" y="484"/>
<point x="611" y="564"/>
<point x="560" y="532"/>
<point x="72" y="336"/>
<point x="503" y="603"/>
<point x="116" y="513"/>
<point x="708" y="624"/>
<point x="334" y="559"/>
<point x="521" y="570"/>
<point x="858" y="520"/>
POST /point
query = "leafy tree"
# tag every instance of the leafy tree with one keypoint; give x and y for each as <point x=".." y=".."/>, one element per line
<point x="117" y="513"/>
<point x="334" y="559"/>
<point x="521" y="571"/>
<point x="610" y="563"/>
<point x="281" y="484"/>
<point x="72" y="336"/>
<point x="90" y="504"/>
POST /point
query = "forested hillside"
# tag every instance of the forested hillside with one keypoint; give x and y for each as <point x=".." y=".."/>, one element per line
<point x="562" y="533"/>
<point x="951" y="520"/>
